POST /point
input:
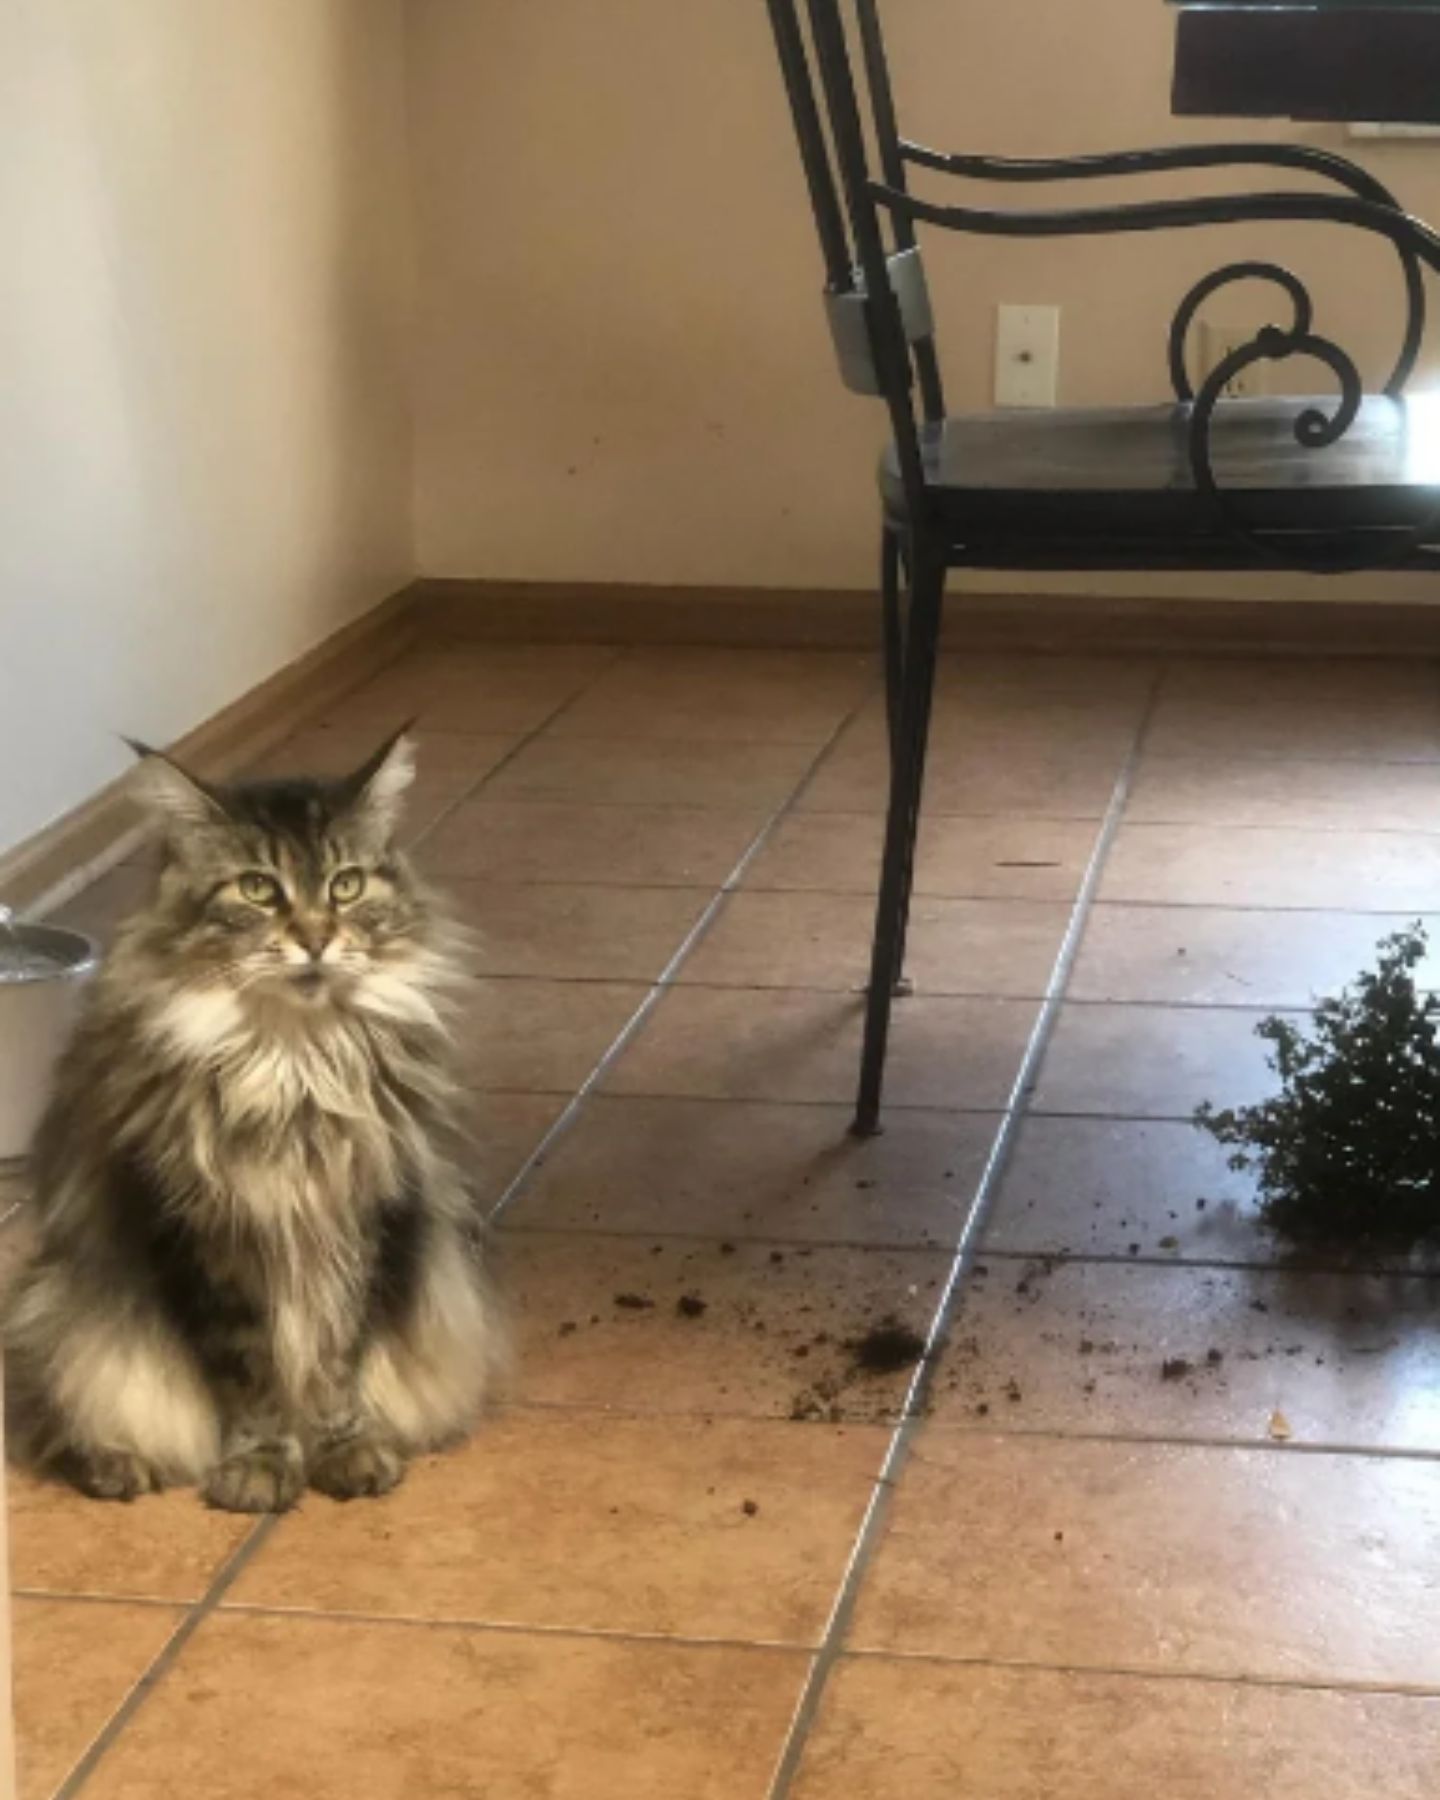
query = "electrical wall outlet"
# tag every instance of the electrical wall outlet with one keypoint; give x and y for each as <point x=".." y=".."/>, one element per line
<point x="1217" y="340"/>
<point x="1027" y="355"/>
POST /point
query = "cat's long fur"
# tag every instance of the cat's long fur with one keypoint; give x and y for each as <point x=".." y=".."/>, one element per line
<point x="257" y="1265"/>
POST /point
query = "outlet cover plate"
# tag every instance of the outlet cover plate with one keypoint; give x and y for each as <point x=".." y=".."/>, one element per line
<point x="1027" y="355"/>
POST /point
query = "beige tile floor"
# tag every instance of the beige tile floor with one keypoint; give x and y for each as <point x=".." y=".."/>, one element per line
<point x="694" y="1553"/>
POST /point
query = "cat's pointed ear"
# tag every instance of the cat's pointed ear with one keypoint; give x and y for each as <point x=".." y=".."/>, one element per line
<point x="376" y="790"/>
<point x="172" y="793"/>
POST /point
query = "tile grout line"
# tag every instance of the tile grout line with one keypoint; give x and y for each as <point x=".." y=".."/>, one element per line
<point x="522" y="743"/>
<point x="97" y="1597"/>
<point x="517" y="1628"/>
<point x="792" y="1647"/>
<point x="1358" y="827"/>
<point x="939" y="896"/>
<point x="1291" y="1268"/>
<point x="877" y="1511"/>
<point x="923" y="993"/>
<point x="788" y="1647"/>
<point x="891" y="1418"/>
<point x="666" y="979"/>
<point x="653" y="1096"/>
<point x="1136" y="1672"/>
<point x="1257" y="1446"/>
<point x="164" y="1659"/>
<point x="1113" y="903"/>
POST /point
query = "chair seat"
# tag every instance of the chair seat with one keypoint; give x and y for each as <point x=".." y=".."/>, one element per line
<point x="1085" y="479"/>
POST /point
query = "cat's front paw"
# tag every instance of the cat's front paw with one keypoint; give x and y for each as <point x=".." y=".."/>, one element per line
<point x="111" y="1474"/>
<point x="357" y="1470"/>
<point x="257" y="1481"/>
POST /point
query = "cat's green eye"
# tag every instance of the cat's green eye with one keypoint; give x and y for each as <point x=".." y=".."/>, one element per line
<point x="258" y="889"/>
<point x="347" y="886"/>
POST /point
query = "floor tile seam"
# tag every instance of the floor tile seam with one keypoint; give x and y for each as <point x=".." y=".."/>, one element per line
<point x="1025" y="1082"/>
<point x="596" y="804"/>
<point x="98" y="1597"/>
<point x="1009" y="815"/>
<point x="654" y="1096"/>
<point x="521" y="1407"/>
<point x="1119" y="1115"/>
<point x="922" y="992"/>
<point x="502" y="1090"/>
<point x="689" y="884"/>
<point x="731" y="741"/>
<point x="1280" y="1266"/>
<point x="724" y="1412"/>
<point x="886" y="1418"/>
<point x="1359" y="826"/>
<point x="798" y="1246"/>
<point x="620" y="978"/>
<point x="522" y="742"/>
<point x="160" y="1665"/>
<point x="666" y="979"/>
<point x="1098" y="1116"/>
<point x="336" y="724"/>
<point x="1023" y="816"/>
<point x="1140" y="1672"/>
<point x="512" y="1628"/>
<point x="1115" y="903"/>
<point x="568" y="883"/>
<point x="959" y="814"/>
<point x="1337" y="1450"/>
<point x="1270" y="759"/>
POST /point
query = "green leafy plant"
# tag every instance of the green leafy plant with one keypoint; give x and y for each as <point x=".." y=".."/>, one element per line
<point x="1348" y="1152"/>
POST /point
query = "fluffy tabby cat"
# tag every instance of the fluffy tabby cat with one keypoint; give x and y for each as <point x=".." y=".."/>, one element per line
<point x="257" y="1266"/>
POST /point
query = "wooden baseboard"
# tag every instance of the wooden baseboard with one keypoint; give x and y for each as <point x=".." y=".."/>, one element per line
<point x="45" y="870"/>
<point x="609" y="613"/>
<point x="582" y="612"/>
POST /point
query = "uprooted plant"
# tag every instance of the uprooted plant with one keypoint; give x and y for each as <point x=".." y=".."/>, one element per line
<point x="1348" y="1152"/>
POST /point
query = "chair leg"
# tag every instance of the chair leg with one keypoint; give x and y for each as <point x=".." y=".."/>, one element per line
<point x="927" y="698"/>
<point x="892" y="559"/>
<point x="927" y="594"/>
<point x="893" y="633"/>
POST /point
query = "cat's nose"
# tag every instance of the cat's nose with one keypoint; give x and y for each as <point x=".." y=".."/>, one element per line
<point x="314" y="940"/>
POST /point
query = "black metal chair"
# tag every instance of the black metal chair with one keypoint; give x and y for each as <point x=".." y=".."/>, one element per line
<point x="1320" y="485"/>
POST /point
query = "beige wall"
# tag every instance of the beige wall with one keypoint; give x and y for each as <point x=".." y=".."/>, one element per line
<point x="204" y="440"/>
<point x="622" y="366"/>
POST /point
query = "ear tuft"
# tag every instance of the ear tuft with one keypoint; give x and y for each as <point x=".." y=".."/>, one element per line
<point x="170" y="793"/>
<point x="377" y="788"/>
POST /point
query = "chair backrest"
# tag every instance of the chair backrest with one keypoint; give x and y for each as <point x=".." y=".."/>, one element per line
<point x="876" y="300"/>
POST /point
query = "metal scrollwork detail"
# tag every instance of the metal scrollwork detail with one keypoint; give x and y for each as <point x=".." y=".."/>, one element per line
<point x="1314" y="428"/>
<point x="1201" y="292"/>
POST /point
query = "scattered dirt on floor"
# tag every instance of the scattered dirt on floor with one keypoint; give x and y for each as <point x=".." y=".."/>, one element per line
<point x="886" y="1348"/>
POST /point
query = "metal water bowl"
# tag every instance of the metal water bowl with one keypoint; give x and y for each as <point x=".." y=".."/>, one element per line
<point x="42" y="971"/>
